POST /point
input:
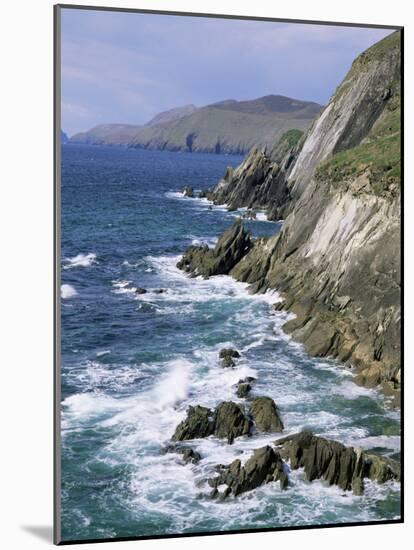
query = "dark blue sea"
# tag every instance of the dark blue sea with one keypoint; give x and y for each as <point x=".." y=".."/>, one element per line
<point x="132" y="363"/>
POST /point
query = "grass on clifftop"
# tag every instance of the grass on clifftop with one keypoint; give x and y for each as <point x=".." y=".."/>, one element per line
<point x="381" y="159"/>
<point x="379" y="155"/>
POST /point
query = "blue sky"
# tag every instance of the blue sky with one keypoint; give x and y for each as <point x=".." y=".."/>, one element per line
<point x="127" y="67"/>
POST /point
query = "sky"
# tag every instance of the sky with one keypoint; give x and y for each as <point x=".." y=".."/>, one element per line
<point x="122" y="67"/>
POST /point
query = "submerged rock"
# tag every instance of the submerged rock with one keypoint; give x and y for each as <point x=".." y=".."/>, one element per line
<point x="140" y="290"/>
<point x="265" y="414"/>
<point x="227" y="356"/>
<point x="264" y="466"/>
<point x="189" y="455"/>
<point x="228" y="420"/>
<point x="233" y="244"/>
<point x="332" y="461"/>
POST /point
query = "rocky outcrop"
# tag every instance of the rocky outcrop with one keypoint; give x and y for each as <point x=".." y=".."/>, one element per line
<point x="261" y="180"/>
<point x="227" y="357"/>
<point x="320" y="458"/>
<point x="188" y="191"/>
<point x="199" y="423"/>
<point x="227" y="421"/>
<point x="189" y="455"/>
<point x="264" y="466"/>
<point x="333" y="462"/>
<point x="336" y="261"/>
<point x="230" y="421"/>
<point x="230" y="249"/>
<point x="265" y="415"/>
<point x="243" y="389"/>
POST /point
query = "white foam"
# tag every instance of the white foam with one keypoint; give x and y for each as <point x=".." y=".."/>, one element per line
<point x="103" y="352"/>
<point x="67" y="291"/>
<point x="81" y="260"/>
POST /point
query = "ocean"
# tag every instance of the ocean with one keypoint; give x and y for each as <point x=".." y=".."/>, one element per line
<point x="131" y="363"/>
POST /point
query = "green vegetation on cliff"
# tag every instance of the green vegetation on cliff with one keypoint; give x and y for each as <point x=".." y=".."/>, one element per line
<point x="379" y="154"/>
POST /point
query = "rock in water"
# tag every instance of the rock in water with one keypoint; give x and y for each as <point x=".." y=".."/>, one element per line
<point x="338" y="465"/>
<point x="230" y="421"/>
<point x="227" y="421"/>
<point x="233" y="244"/>
<point x="265" y="414"/>
<point x="189" y="455"/>
<point x="243" y="389"/>
<point x="263" y="466"/>
<point x="188" y="191"/>
<point x="199" y="423"/>
<point x="140" y="290"/>
<point x="227" y="356"/>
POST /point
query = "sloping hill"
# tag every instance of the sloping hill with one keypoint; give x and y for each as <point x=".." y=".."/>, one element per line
<point x="229" y="126"/>
<point x="172" y="114"/>
<point x="107" y="134"/>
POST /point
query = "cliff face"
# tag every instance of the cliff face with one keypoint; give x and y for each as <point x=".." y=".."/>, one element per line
<point x="261" y="180"/>
<point x="336" y="261"/>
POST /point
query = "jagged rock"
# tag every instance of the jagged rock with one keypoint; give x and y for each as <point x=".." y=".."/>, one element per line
<point x="265" y="415"/>
<point x="338" y="465"/>
<point x="189" y="455"/>
<point x="380" y="469"/>
<point x="264" y="466"/>
<point x="233" y="244"/>
<point x="243" y="389"/>
<point x="188" y="191"/>
<point x="199" y="423"/>
<point x="259" y="182"/>
<point x="140" y="290"/>
<point x="227" y="356"/>
<point x="230" y="421"/>
<point x="226" y="421"/>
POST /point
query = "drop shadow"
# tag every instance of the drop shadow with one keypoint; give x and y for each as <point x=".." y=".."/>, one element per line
<point x="43" y="532"/>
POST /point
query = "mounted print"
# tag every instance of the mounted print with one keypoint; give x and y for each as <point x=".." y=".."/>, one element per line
<point x="228" y="287"/>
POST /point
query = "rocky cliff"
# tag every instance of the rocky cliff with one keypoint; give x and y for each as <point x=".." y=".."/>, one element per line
<point x="336" y="261"/>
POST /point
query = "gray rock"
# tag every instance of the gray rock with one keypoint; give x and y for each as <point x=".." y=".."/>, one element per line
<point x="243" y="389"/>
<point x="264" y="466"/>
<point x="228" y="421"/>
<point x="233" y="244"/>
<point x="188" y="191"/>
<point x="199" y="423"/>
<point x="189" y="455"/>
<point x="265" y="414"/>
<point x="227" y="356"/>
<point x="338" y="465"/>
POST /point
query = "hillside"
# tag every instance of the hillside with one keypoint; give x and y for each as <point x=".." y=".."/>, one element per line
<point x="225" y="127"/>
<point x="172" y="114"/>
<point x="107" y="134"/>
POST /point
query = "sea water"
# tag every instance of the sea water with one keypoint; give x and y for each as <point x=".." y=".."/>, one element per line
<point x="132" y="363"/>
